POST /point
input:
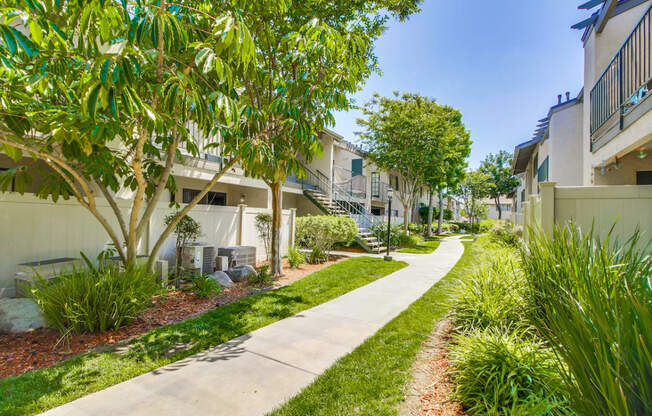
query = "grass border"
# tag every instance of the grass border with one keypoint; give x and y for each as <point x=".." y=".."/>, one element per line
<point x="43" y="389"/>
<point x="371" y="379"/>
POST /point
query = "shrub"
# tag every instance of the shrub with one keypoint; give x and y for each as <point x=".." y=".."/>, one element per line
<point x="204" y="286"/>
<point x="90" y="300"/>
<point x="295" y="258"/>
<point x="449" y="227"/>
<point x="493" y="295"/>
<point x="487" y="224"/>
<point x="506" y="233"/>
<point x="380" y="231"/>
<point x="415" y="228"/>
<point x="506" y="373"/>
<point x="263" y="223"/>
<point x="592" y="303"/>
<point x="406" y="240"/>
<point x="262" y="277"/>
<point x="466" y="226"/>
<point x="321" y="233"/>
<point x="187" y="230"/>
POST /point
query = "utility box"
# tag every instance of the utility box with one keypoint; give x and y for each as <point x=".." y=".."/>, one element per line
<point x="198" y="257"/>
<point x="238" y="255"/>
<point x="222" y="263"/>
<point x="25" y="276"/>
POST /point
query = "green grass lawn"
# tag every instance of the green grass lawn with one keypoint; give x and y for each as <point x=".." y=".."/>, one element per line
<point x="426" y="247"/>
<point x="370" y="380"/>
<point x="43" y="389"/>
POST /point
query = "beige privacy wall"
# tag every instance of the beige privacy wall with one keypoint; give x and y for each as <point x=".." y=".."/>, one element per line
<point x="629" y="207"/>
<point x="32" y="229"/>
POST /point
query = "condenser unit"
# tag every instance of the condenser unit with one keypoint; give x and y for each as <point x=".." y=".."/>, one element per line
<point x="198" y="257"/>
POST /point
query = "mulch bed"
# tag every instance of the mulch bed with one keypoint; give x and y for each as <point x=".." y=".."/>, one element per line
<point x="26" y="351"/>
<point x="431" y="388"/>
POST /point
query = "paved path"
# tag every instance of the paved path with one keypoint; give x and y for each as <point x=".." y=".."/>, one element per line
<point x="257" y="372"/>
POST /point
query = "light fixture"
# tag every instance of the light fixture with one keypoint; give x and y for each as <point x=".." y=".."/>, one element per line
<point x="642" y="152"/>
<point x="242" y="199"/>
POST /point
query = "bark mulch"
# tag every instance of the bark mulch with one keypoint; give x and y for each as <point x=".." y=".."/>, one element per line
<point x="431" y="388"/>
<point x="26" y="351"/>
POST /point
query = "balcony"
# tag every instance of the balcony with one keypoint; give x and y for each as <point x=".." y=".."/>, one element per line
<point x="620" y="95"/>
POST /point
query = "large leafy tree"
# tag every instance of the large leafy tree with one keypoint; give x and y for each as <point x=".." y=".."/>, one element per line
<point x="445" y="158"/>
<point x="311" y="55"/>
<point x="476" y="186"/>
<point x="415" y="137"/>
<point x="104" y="92"/>
<point x="499" y="167"/>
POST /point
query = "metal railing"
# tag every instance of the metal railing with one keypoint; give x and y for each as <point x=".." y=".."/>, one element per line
<point x="355" y="184"/>
<point x="348" y="202"/>
<point x="627" y="79"/>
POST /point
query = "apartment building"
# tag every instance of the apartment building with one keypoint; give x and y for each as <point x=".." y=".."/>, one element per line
<point x="340" y="182"/>
<point x="588" y="159"/>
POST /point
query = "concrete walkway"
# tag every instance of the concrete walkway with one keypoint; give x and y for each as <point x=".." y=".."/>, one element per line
<point x="257" y="372"/>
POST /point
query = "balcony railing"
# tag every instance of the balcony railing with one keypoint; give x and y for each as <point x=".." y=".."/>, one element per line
<point x="627" y="79"/>
<point x="356" y="185"/>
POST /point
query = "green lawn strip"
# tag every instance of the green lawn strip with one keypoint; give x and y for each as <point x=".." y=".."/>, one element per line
<point x="370" y="380"/>
<point x="426" y="247"/>
<point x="43" y="389"/>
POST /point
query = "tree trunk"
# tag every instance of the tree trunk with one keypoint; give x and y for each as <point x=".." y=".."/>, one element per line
<point x="441" y="213"/>
<point x="500" y="211"/>
<point x="276" y="265"/>
<point x="406" y="217"/>
<point x="429" y="229"/>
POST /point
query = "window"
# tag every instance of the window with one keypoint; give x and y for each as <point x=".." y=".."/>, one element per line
<point x="356" y="167"/>
<point x="542" y="173"/>
<point x="211" y="198"/>
<point x="376" y="211"/>
<point x="523" y="195"/>
<point x="375" y="185"/>
<point x="394" y="182"/>
<point x="644" y="177"/>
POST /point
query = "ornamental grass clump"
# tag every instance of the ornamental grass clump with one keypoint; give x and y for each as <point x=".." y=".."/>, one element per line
<point x="493" y="296"/>
<point x="503" y="372"/>
<point x="592" y="301"/>
<point x="94" y="300"/>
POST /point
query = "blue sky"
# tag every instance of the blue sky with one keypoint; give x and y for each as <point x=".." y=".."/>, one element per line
<point x="501" y="63"/>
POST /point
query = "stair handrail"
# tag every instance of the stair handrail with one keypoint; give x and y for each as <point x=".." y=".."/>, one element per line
<point x="342" y="198"/>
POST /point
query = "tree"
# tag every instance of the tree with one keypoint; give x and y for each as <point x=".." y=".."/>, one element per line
<point x="264" y="229"/>
<point x="416" y="138"/>
<point x="476" y="186"/>
<point x="446" y="162"/>
<point x="310" y="56"/>
<point x="499" y="167"/>
<point x="187" y="230"/>
<point x="104" y="92"/>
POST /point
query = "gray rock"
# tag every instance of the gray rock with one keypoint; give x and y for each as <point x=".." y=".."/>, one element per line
<point x="222" y="278"/>
<point x="241" y="273"/>
<point x="19" y="315"/>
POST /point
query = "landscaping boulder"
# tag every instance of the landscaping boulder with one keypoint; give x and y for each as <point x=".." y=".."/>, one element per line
<point x="241" y="273"/>
<point x="222" y="278"/>
<point x="19" y="315"/>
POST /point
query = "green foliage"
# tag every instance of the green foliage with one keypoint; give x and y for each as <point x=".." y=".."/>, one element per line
<point x="476" y="186"/>
<point x="499" y="168"/>
<point x="506" y="233"/>
<point x="90" y="300"/>
<point x="204" y="286"/>
<point x="262" y="277"/>
<point x="295" y="257"/>
<point x="466" y="226"/>
<point x="487" y="224"/>
<point x="450" y="227"/>
<point x="321" y="233"/>
<point x="506" y="373"/>
<point x="263" y="225"/>
<point x="493" y="296"/>
<point x="410" y="240"/>
<point x="592" y="301"/>
<point x="380" y="232"/>
<point x="425" y="143"/>
<point x="187" y="230"/>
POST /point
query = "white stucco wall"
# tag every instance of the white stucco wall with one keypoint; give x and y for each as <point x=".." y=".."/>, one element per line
<point x="564" y="145"/>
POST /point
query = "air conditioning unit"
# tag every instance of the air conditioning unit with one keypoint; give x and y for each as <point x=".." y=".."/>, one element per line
<point x="198" y="257"/>
<point x="238" y="255"/>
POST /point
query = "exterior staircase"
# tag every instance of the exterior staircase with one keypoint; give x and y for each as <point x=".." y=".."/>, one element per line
<point x="342" y="205"/>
